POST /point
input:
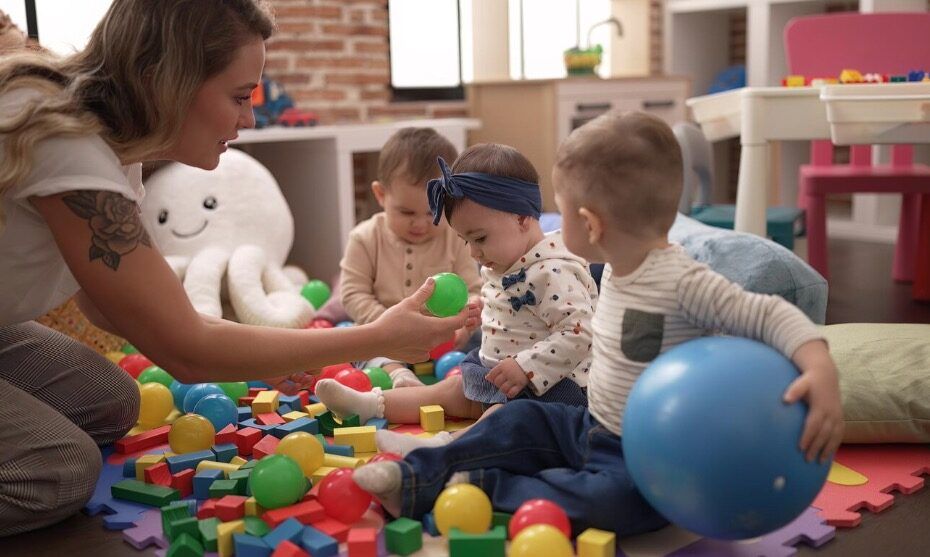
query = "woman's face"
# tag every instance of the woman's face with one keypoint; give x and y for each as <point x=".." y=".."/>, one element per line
<point x="222" y="106"/>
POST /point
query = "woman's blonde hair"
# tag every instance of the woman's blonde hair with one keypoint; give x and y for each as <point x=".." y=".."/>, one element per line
<point x="134" y="81"/>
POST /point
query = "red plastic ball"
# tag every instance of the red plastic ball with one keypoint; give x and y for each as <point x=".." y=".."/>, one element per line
<point x="342" y="498"/>
<point x="539" y="511"/>
<point x="454" y="371"/>
<point x="385" y="457"/>
<point x="354" y="379"/>
<point x="320" y="324"/>
<point x="329" y="372"/>
<point x="438" y="351"/>
<point x="134" y="364"/>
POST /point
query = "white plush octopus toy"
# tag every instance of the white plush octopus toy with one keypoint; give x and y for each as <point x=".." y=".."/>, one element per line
<point x="227" y="233"/>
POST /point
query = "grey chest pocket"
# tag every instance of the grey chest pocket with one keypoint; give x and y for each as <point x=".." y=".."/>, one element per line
<point x="642" y="335"/>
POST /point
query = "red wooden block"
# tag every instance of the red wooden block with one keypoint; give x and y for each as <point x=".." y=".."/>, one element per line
<point x="158" y="474"/>
<point x="265" y="447"/>
<point x="253" y="391"/>
<point x="246" y="439"/>
<point x="306" y="512"/>
<point x="230" y="507"/>
<point x="304" y="398"/>
<point x="271" y="418"/>
<point x="207" y="509"/>
<point x="245" y="401"/>
<point x="363" y="542"/>
<point x="226" y="435"/>
<point x="333" y="528"/>
<point x="183" y="481"/>
<point x="288" y="549"/>
<point x="145" y="440"/>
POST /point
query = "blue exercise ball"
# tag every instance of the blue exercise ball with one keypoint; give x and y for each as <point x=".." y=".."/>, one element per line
<point x="199" y="391"/>
<point x="178" y="392"/>
<point x="712" y="446"/>
<point x="446" y="362"/>
<point x="219" y="409"/>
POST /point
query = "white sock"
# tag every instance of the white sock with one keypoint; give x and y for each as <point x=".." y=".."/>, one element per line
<point x="381" y="479"/>
<point x="345" y="401"/>
<point x="402" y="443"/>
<point x="403" y="377"/>
<point x="458" y="478"/>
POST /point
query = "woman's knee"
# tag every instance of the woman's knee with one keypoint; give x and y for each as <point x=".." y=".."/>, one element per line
<point x="118" y="405"/>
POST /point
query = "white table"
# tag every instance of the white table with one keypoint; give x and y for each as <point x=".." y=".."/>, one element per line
<point x="314" y="168"/>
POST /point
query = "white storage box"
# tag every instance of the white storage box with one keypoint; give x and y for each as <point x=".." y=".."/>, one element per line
<point x="878" y="113"/>
<point x="718" y="114"/>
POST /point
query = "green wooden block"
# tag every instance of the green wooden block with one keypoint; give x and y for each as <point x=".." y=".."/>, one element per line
<point x="187" y="525"/>
<point x="321" y="439"/>
<point x="171" y="512"/>
<point x="141" y="492"/>
<point x="255" y="526"/>
<point x="403" y="536"/>
<point x="185" y="546"/>
<point x="207" y="529"/>
<point x="240" y="474"/>
<point x="486" y="544"/>
<point x="220" y="488"/>
<point x="352" y="420"/>
<point x="248" y="465"/>
<point x="501" y="519"/>
<point x="327" y="423"/>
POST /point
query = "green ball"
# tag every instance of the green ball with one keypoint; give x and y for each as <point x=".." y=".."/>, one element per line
<point x="155" y="374"/>
<point x="316" y="292"/>
<point x="378" y="378"/>
<point x="449" y="297"/>
<point x="235" y="390"/>
<point x="277" y="481"/>
<point x="129" y="349"/>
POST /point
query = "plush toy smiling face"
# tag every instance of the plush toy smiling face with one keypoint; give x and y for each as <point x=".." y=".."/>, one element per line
<point x="187" y="209"/>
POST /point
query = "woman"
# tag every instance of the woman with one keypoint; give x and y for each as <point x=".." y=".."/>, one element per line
<point x="158" y="80"/>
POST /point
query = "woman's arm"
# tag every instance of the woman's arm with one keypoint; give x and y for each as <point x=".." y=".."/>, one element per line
<point x="93" y="315"/>
<point x="105" y="245"/>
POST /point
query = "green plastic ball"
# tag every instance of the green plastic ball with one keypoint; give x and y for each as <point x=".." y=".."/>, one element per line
<point x="378" y="378"/>
<point x="316" y="292"/>
<point x="155" y="374"/>
<point x="449" y="297"/>
<point x="277" y="481"/>
<point x="129" y="349"/>
<point x="235" y="390"/>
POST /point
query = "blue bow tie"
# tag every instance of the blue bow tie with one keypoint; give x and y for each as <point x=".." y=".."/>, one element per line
<point x="518" y="302"/>
<point x="510" y="280"/>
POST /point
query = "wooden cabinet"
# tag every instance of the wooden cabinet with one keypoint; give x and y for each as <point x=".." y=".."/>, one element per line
<point x="534" y="116"/>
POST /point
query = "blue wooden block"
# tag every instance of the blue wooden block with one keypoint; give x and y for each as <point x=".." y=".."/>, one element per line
<point x="180" y="462"/>
<point x="203" y="480"/>
<point x="129" y="468"/>
<point x="379" y="423"/>
<point x="341" y="450"/>
<point x="314" y="399"/>
<point x="317" y="543"/>
<point x="246" y="545"/>
<point x="252" y="423"/>
<point x="310" y="425"/>
<point x="429" y="524"/>
<point x="245" y="412"/>
<point x="289" y="530"/>
<point x="225" y="453"/>
<point x="292" y="402"/>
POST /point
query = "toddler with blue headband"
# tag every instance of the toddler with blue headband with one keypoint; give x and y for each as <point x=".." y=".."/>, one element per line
<point x="538" y="303"/>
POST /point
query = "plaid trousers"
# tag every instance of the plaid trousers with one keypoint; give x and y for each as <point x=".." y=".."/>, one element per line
<point x="59" y="400"/>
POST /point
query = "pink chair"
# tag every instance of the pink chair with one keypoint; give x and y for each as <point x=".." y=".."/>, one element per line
<point x="889" y="43"/>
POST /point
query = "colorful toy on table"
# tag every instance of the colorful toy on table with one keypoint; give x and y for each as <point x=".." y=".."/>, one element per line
<point x="271" y="105"/>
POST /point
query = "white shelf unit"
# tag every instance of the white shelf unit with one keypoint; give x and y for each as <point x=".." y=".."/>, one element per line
<point x="697" y="45"/>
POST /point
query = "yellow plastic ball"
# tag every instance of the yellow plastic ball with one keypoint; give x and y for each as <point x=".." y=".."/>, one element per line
<point x="156" y="403"/>
<point x="465" y="507"/>
<point x="191" y="433"/>
<point x="304" y="448"/>
<point x="115" y="357"/>
<point x="540" y="540"/>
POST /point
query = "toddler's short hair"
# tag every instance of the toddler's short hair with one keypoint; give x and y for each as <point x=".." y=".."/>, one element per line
<point x="629" y="164"/>
<point x="411" y="154"/>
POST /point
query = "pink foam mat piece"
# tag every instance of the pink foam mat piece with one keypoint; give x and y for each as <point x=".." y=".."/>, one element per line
<point x="888" y="468"/>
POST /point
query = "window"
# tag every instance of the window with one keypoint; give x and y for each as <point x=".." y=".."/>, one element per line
<point x="425" y="48"/>
<point x="63" y="26"/>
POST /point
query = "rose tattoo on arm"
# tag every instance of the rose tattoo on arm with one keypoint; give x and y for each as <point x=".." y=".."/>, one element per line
<point x="114" y="222"/>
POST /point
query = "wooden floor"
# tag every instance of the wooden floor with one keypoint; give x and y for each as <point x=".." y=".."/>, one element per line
<point x="861" y="290"/>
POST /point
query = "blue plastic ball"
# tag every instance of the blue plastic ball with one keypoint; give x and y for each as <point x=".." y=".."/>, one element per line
<point x="446" y="362"/>
<point x="219" y="409"/>
<point x="345" y="324"/>
<point x="199" y="391"/>
<point x="178" y="392"/>
<point x="712" y="446"/>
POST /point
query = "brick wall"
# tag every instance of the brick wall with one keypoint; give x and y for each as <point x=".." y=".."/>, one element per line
<point x="331" y="56"/>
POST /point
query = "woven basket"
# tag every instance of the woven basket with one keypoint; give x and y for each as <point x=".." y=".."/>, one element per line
<point x="68" y="319"/>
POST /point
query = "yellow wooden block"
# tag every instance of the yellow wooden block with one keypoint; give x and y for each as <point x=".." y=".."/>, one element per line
<point x="843" y="475"/>
<point x="315" y="409"/>
<point x="457" y="425"/>
<point x="423" y="368"/>
<point x="295" y="415"/>
<point x="224" y="534"/>
<point x="794" y="81"/>
<point x="597" y="543"/>
<point x="364" y="457"/>
<point x="226" y="467"/>
<point x="321" y="472"/>
<point x="146" y="461"/>
<point x="238" y="460"/>
<point x="266" y="402"/>
<point x="339" y="461"/>
<point x="432" y="418"/>
<point x="252" y="508"/>
<point x="362" y="438"/>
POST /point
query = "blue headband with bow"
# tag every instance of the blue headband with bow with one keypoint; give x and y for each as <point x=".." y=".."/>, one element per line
<point x="496" y="192"/>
